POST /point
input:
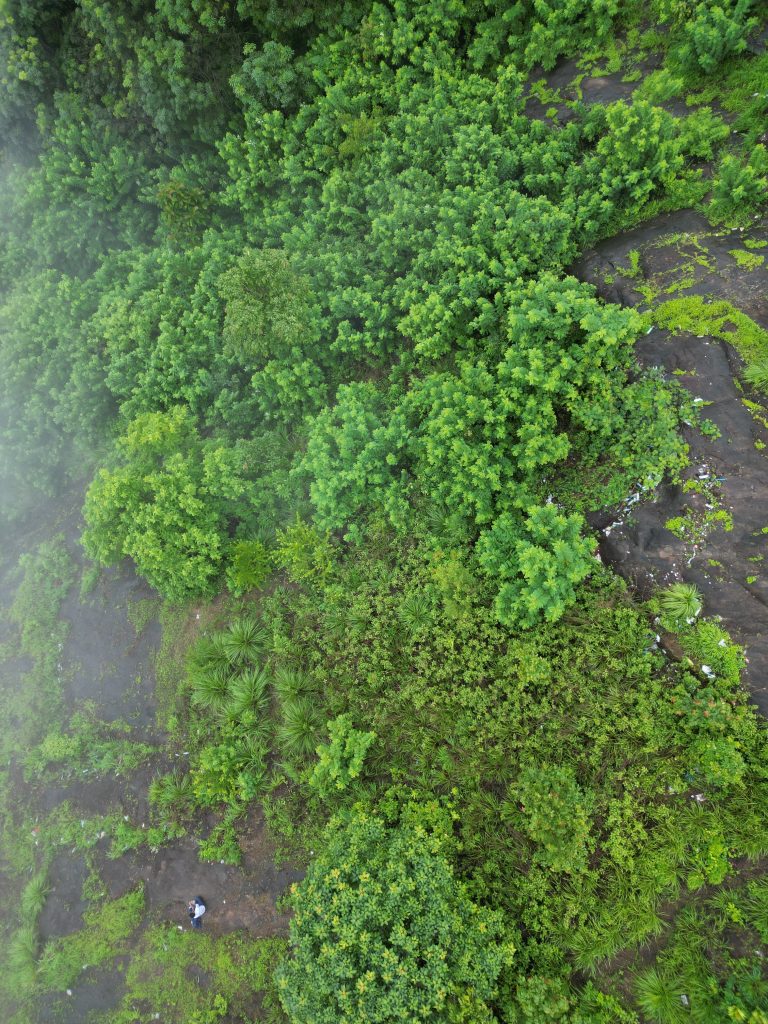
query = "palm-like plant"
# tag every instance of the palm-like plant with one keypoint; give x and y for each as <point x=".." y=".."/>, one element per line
<point x="415" y="613"/>
<point x="210" y="689"/>
<point x="252" y="753"/>
<point x="290" y="683"/>
<point x="680" y="602"/>
<point x="299" y="732"/>
<point x="206" y="653"/>
<point x="171" y="794"/>
<point x="244" y="641"/>
<point x="248" y="691"/>
<point x="659" y="997"/>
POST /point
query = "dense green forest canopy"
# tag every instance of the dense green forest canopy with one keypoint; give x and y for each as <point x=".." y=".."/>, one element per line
<point x="286" y="286"/>
<point x="335" y="224"/>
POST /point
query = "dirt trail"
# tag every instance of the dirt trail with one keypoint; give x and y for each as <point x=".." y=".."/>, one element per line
<point x="236" y="897"/>
<point x="727" y="566"/>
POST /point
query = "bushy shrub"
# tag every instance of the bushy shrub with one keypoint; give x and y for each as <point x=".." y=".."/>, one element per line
<point x="230" y="770"/>
<point x="383" y="931"/>
<point x="537" y="562"/>
<point x="740" y="188"/>
<point x="713" y="32"/>
<point x="340" y="761"/>
<point x="304" y="552"/>
<point x="556" y="816"/>
<point x="249" y="566"/>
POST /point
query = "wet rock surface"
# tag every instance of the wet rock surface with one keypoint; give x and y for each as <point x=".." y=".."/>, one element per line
<point x="731" y="472"/>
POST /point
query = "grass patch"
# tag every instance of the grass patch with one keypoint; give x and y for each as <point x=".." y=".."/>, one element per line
<point x="105" y="934"/>
<point x="747" y="260"/>
<point x="238" y="972"/>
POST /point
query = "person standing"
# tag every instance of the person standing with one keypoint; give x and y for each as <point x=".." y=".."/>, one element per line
<point x="196" y="909"/>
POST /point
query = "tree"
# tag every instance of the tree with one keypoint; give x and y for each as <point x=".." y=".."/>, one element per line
<point x="537" y="562"/>
<point x="268" y="308"/>
<point x="383" y="932"/>
<point x="166" y="504"/>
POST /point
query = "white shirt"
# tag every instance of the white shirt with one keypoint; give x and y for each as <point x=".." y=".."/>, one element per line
<point x="199" y="910"/>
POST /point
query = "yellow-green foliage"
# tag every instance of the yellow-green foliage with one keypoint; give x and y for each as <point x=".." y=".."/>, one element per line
<point x="383" y="930"/>
<point x="747" y="260"/>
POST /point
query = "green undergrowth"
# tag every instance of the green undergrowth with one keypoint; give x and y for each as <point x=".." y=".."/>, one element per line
<point x="291" y="282"/>
<point x="710" y="961"/>
<point x="592" y="783"/>
<point x="88" y="747"/>
<point x="700" y="516"/>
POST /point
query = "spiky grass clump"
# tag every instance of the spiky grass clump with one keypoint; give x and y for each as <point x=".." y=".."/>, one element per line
<point x="415" y="613"/>
<point x="659" y="997"/>
<point x="590" y="945"/>
<point x="680" y="602"/>
<point x="252" y="754"/>
<point x="21" y="959"/>
<point x="34" y="896"/>
<point x="299" y="732"/>
<point x="244" y="641"/>
<point x="207" y="652"/>
<point x="171" y="794"/>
